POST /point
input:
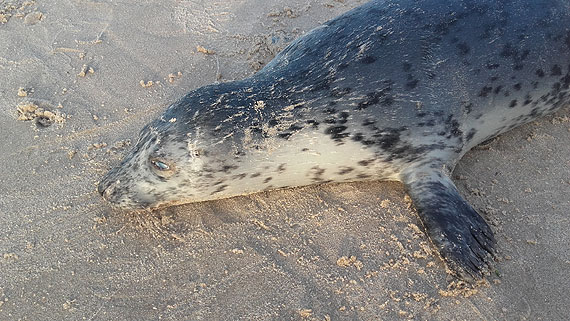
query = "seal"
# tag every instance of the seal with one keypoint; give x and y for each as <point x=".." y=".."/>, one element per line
<point x="391" y="90"/>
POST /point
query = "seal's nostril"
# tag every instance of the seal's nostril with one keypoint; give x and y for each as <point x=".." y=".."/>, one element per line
<point x="110" y="190"/>
<point x="106" y="187"/>
<point x="101" y="188"/>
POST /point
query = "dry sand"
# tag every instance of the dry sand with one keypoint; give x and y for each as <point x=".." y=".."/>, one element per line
<point x="89" y="74"/>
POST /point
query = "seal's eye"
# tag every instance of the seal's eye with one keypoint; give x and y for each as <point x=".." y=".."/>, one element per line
<point x="161" y="166"/>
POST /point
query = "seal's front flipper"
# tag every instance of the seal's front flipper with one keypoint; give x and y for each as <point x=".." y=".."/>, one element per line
<point x="463" y="238"/>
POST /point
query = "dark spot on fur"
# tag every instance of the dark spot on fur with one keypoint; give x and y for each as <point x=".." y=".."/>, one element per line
<point x="273" y="122"/>
<point x="517" y="86"/>
<point x="255" y="175"/>
<point x="470" y="134"/>
<point x="453" y="125"/>
<point x="406" y="66"/>
<point x="219" y="189"/>
<point x="317" y="172"/>
<point x="464" y="49"/>
<point x="492" y="66"/>
<point x="295" y="127"/>
<point x="367" y="60"/>
<point x="485" y="91"/>
<point x="540" y="73"/>
<point x="239" y="176"/>
<point x="513" y="103"/>
<point x="372" y="98"/>
<point x="365" y="162"/>
<point x="412" y="84"/>
<point x="343" y="117"/>
<point x="388" y="138"/>
<point x="528" y="100"/>
<point x="266" y="180"/>
<point x="508" y="51"/>
<point x="357" y="137"/>
<point x="228" y="168"/>
<point x="313" y="123"/>
<point x="497" y="90"/>
<point x="556" y="71"/>
<point x="336" y="132"/>
<point x="345" y="170"/>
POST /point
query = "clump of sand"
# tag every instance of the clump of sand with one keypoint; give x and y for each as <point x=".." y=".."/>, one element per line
<point x="31" y="111"/>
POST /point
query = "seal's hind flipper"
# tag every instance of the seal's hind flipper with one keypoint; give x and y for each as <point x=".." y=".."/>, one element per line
<point x="463" y="238"/>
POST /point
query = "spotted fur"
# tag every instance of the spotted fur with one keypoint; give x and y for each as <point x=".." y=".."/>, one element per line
<point x="392" y="90"/>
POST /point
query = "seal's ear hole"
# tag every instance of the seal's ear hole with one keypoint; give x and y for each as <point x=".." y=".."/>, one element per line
<point x="196" y="153"/>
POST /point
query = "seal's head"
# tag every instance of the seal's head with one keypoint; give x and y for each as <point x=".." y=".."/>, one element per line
<point x="188" y="154"/>
<point x="159" y="169"/>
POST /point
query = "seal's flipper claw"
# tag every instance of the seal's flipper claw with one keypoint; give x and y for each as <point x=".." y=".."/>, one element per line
<point x="461" y="235"/>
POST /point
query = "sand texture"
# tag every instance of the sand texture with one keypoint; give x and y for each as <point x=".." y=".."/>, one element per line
<point x="78" y="79"/>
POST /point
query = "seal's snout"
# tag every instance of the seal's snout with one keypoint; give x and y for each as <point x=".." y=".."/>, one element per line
<point x="107" y="184"/>
<point x="101" y="187"/>
<point x="105" y="188"/>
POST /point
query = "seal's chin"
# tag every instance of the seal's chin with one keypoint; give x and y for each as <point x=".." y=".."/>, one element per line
<point x="126" y="204"/>
<point x="117" y="196"/>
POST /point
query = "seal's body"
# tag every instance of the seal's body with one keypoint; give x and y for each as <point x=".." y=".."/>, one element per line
<point x="392" y="90"/>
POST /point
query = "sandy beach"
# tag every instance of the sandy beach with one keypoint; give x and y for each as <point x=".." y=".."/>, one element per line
<point x="79" y="79"/>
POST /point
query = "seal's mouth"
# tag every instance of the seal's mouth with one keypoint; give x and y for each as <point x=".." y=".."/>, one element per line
<point x="103" y="189"/>
<point x="106" y="190"/>
<point x="106" y="186"/>
<point x="116" y="193"/>
<point x="118" y="190"/>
